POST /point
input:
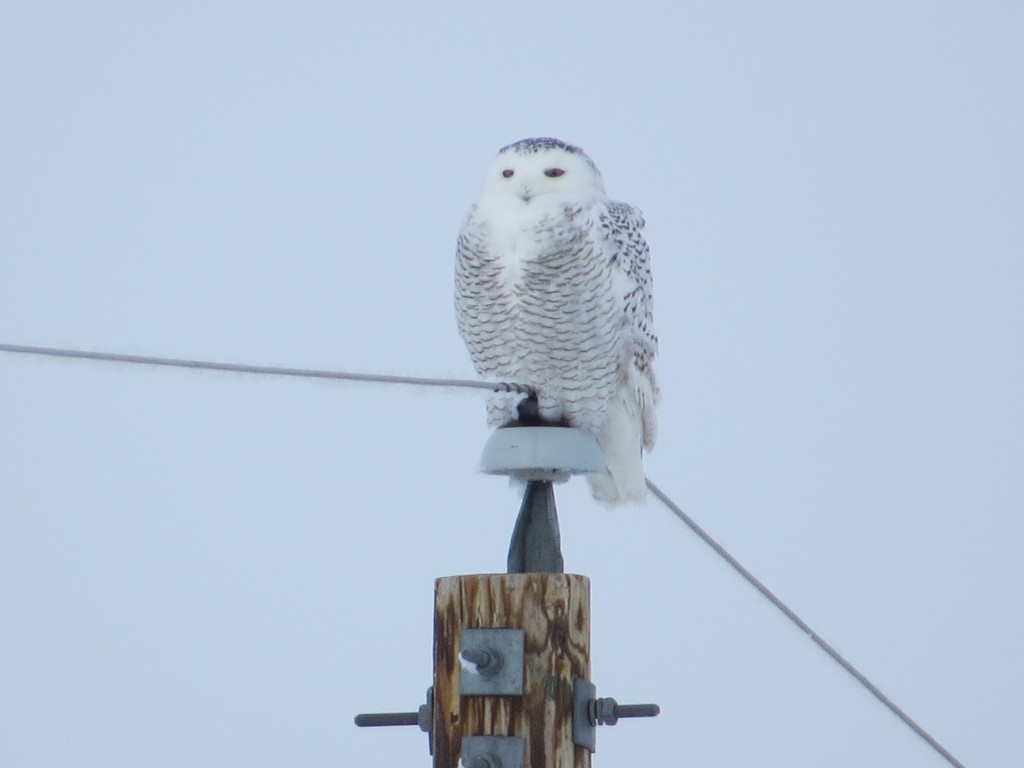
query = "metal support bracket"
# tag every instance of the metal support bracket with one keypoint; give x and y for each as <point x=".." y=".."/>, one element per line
<point x="536" y="545"/>
<point x="493" y="751"/>
<point x="492" y="662"/>
<point x="584" y="732"/>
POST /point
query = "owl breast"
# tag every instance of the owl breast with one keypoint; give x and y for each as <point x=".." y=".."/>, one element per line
<point x="537" y="306"/>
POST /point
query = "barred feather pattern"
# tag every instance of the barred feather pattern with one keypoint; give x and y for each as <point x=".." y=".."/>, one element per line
<point x="552" y="324"/>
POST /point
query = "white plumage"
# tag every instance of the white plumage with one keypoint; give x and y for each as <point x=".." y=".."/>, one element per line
<point x="553" y="289"/>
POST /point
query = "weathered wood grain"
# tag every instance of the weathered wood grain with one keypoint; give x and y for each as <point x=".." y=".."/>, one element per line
<point x="554" y="611"/>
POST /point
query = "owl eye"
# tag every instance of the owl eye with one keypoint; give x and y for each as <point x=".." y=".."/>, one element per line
<point x="552" y="173"/>
<point x="508" y="173"/>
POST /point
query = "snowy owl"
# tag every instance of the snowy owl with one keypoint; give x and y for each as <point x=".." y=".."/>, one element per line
<point x="553" y="290"/>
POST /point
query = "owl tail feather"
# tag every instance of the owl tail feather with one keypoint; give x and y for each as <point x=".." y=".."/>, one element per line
<point x="622" y="437"/>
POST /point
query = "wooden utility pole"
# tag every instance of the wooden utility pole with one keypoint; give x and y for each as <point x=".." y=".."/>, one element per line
<point x="511" y="684"/>
<point x="553" y="610"/>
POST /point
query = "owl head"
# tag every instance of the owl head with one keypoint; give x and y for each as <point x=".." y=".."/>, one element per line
<point x="537" y="172"/>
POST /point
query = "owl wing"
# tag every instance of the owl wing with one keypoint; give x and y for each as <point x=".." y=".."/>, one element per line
<point x="631" y="264"/>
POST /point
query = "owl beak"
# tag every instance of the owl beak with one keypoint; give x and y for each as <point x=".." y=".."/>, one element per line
<point x="525" y="195"/>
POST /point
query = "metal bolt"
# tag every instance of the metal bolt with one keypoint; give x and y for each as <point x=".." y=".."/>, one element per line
<point x="422" y="717"/>
<point x="487" y="662"/>
<point x="379" y="719"/>
<point x="608" y="711"/>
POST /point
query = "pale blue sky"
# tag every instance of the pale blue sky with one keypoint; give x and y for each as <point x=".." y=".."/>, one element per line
<point x="212" y="570"/>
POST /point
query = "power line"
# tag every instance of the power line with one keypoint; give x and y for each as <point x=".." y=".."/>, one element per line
<point x="111" y="357"/>
<point x="793" y="617"/>
<point x="270" y="370"/>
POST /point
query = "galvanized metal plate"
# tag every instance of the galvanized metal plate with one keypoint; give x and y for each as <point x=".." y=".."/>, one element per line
<point x="493" y="752"/>
<point x="584" y="730"/>
<point x="505" y="647"/>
